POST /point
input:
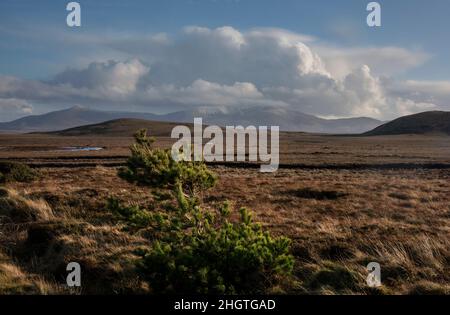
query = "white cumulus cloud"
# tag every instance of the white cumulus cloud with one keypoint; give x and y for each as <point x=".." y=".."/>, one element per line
<point x="228" y="67"/>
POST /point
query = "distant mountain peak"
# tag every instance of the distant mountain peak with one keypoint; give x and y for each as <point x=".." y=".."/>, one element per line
<point x="77" y="108"/>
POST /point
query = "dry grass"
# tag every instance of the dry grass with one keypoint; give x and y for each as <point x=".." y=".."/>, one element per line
<point x="43" y="241"/>
<point x="338" y="219"/>
<point x="399" y="218"/>
<point x="13" y="280"/>
<point x="21" y="209"/>
<point x="295" y="148"/>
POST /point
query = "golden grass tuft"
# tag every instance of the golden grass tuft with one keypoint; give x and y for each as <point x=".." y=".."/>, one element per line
<point x="13" y="280"/>
<point x="22" y="209"/>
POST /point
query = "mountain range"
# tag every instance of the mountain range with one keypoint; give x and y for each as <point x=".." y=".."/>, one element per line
<point x="288" y="120"/>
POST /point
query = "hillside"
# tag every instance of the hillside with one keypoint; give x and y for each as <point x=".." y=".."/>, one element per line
<point x="434" y="122"/>
<point x="121" y="127"/>
<point x="68" y="118"/>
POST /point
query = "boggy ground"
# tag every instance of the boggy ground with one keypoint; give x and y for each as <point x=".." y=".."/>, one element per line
<point x="338" y="219"/>
<point x="295" y="148"/>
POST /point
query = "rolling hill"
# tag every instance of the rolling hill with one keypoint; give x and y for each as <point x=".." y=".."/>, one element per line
<point x="433" y="122"/>
<point x="286" y="119"/>
<point x="121" y="127"/>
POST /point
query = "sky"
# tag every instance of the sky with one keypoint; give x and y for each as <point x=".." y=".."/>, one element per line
<point x="319" y="57"/>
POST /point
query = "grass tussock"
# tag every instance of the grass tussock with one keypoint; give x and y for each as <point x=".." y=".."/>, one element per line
<point x="16" y="172"/>
<point x="14" y="280"/>
<point x="336" y="278"/>
<point x="429" y="288"/>
<point x="44" y="242"/>
<point x="106" y="253"/>
<point x="21" y="209"/>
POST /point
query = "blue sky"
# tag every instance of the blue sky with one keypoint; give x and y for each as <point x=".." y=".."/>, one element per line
<point x="36" y="45"/>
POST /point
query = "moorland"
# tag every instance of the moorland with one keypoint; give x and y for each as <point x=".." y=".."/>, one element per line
<point x="343" y="201"/>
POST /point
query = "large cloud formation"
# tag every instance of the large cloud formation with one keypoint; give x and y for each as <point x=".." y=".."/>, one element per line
<point x="228" y="68"/>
